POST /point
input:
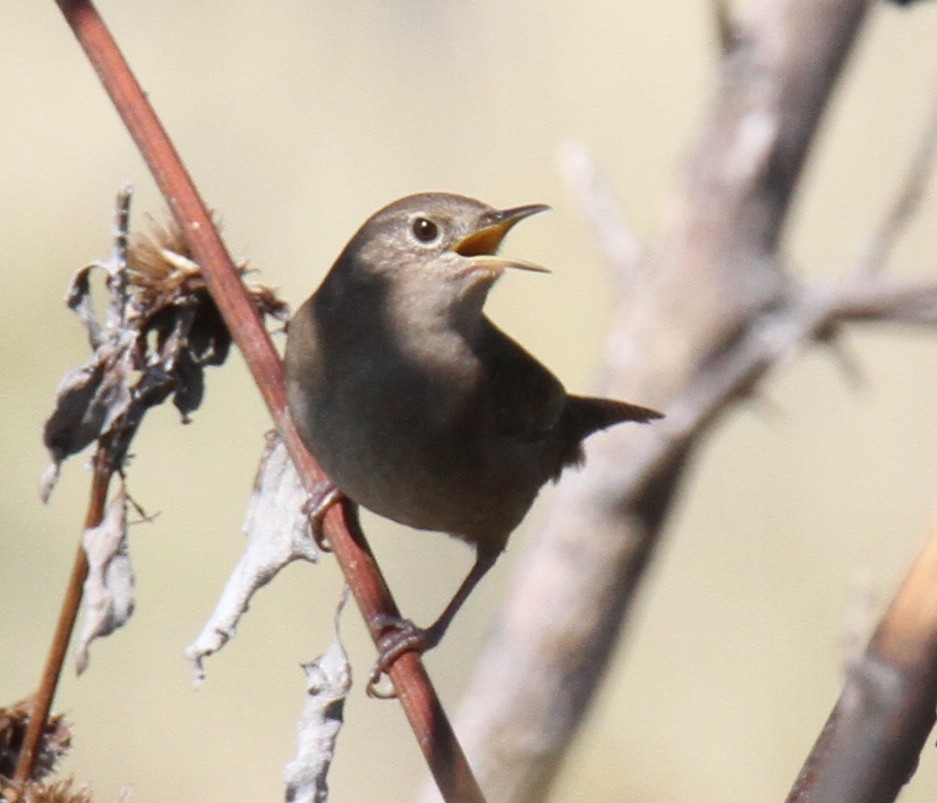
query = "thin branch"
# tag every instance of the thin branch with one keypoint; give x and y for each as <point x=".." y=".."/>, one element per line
<point x="102" y="471"/>
<point x="884" y="301"/>
<point x="421" y="705"/>
<point x="874" y="256"/>
<point x="596" y="199"/>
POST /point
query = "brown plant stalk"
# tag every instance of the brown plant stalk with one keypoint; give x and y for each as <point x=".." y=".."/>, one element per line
<point x="422" y="707"/>
<point x="68" y="614"/>
<point x="869" y="747"/>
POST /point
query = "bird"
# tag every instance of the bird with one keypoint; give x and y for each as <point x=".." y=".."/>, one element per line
<point x="415" y="404"/>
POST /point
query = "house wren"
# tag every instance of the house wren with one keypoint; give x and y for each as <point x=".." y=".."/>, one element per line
<point x="418" y="406"/>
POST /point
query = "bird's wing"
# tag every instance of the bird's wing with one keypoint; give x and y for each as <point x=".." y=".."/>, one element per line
<point x="527" y="399"/>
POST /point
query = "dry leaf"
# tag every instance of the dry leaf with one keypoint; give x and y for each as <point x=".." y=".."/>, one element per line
<point x="278" y="532"/>
<point x="108" y="592"/>
<point x="328" y="684"/>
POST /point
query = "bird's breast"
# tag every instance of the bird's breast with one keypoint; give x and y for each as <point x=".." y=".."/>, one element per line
<point x="406" y="426"/>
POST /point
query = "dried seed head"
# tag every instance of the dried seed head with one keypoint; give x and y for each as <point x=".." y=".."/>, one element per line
<point x="161" y="273"/>
<point x="56" y="740"/>
<point x="160" y="330"/>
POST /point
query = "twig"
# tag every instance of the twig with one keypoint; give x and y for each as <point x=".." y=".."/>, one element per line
<point x="913" y="303"/>
<point x="102" y="471"/>
<point x="874" y="257"/>
<point x="596" y="199"/>
<point x="870" y="744"/>
<point x="421" y="705"/>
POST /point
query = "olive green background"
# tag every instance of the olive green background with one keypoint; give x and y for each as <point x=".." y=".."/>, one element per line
<point x="297" y="120"/>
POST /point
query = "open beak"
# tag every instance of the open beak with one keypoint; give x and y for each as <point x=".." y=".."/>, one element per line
<point x="482" y="244"/>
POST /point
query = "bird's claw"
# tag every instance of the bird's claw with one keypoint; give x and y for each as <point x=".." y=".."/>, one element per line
<point x="324" y="494"/>
<point x="395" y="637"/>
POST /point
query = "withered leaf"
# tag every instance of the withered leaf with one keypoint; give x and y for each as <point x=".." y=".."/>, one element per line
<point x="79" y="299"/>
<point x="278" y="532"/>
<point x="108" y="593"/>
<point x="328" y="680"/>
<point x="88" y="400"/>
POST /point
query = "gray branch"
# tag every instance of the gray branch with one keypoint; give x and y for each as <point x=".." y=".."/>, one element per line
<point x="705" y="315"/>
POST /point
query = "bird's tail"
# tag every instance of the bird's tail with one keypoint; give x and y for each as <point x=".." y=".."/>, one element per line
<point x="588" y="414"/>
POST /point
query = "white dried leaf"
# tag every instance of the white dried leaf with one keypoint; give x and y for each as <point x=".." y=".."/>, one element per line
<point x="278" y="532"/>
<point x="108" y="593"/>
<point x="48" y="480"/>
<point x="277" y="505"/>
<point x="79" y="299"/>
<point x="328" y="683"/>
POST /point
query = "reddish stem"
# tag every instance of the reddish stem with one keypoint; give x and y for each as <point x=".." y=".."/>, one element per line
<point x="429" y="722"/>
<point x="68" y="614"/>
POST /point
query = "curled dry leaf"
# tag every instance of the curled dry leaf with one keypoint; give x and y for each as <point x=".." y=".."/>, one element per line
<point x="328" y="683"/>
<point x="55" y="742"/>
<point x="278" y="532"/>
<point x="108" y="589"/>
<point x="160" y="329"/>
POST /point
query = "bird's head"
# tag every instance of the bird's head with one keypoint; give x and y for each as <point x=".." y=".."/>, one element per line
<point x="437" y="247"/>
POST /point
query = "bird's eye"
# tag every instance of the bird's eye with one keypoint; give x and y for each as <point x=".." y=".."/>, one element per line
<point x="425" y="230"/>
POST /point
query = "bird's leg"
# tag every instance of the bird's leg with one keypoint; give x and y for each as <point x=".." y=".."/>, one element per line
<point x="397" y="635"/>
<point x="324" y="494"/>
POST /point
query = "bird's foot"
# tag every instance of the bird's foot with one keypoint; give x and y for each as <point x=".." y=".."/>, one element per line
<point x="395" y="637"/>
<point x="324" y="494"/>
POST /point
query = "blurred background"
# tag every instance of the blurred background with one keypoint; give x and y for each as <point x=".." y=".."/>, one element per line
<point x="299" y="119"/>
